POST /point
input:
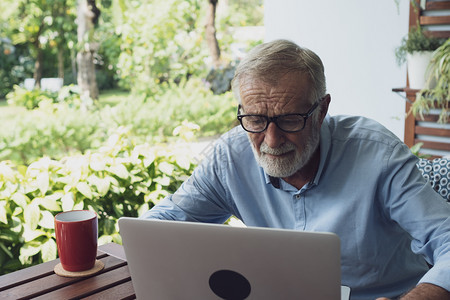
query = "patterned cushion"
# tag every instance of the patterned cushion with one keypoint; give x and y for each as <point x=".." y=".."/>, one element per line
<point x="437" y="172"/>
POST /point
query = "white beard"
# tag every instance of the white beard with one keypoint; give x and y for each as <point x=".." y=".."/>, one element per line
<point x="289" y="164"/>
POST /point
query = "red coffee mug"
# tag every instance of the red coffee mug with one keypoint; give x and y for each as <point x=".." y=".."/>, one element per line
<point x="76" y="238"/>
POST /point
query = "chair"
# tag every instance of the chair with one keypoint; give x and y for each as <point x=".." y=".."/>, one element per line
<point x="437" y="173"/>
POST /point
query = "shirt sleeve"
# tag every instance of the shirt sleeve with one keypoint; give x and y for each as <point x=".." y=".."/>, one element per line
<point x="411" y="202"/>
<point x="201" y="198"/>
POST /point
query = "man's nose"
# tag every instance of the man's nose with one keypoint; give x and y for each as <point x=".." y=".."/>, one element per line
<point x="273" y="136"/>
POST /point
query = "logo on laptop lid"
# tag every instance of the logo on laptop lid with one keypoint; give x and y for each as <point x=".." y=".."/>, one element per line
<point x="229" y="285"/>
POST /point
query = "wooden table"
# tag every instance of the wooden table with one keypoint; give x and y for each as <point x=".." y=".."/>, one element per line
<point x="40" y="282"/>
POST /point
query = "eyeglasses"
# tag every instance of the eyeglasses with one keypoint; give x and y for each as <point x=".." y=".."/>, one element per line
<point x="287" y="122"/>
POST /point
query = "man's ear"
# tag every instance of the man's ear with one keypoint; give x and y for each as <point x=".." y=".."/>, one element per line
<point x="324" y="107"/>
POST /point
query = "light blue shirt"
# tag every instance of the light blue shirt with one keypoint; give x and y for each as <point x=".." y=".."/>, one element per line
<point x="367" y="190"/>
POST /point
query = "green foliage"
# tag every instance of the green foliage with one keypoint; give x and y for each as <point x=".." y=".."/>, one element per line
<point x="415" y="149"/>
<point x="157" y="117"/>
<point x="162" y="41"/>
<point x="47" y="27"/>
<point x="66" y="125"/>
<point x="439" y="95"/>
<point x="60" y="124"/>
<point x="245" y="13"/>
<point x="416" y="41"/>
<point x="41" y="23"/>
<point x="110" y="47"/>
<point x="35" y="98"/>
<point x="120" y="179"/>
<point x="142" y="43"/>
<point x="31" y="25"/>
<point x="15" y="66"/>
<point x="124" y="176"/>
<point x="29" y="99"/>
<point x="65" y="152"/>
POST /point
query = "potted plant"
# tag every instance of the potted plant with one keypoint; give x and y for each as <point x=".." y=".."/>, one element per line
<point x="416" y="49"/>
<point x="437" y="96"/>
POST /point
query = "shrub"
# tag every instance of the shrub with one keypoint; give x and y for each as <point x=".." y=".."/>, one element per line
<point x="65" y="125"/>
<point x="53" y="130"/>
<point x="157" y="117"/>
<point x="70" y="95"/>
<point x="120" y="179"/>
<point x="28" y="99"/>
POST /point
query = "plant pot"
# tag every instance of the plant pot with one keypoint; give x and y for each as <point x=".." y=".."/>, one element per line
<point x="417" y="70"/>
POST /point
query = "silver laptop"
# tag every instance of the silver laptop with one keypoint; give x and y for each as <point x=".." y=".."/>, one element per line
<point x="182" y="260"/>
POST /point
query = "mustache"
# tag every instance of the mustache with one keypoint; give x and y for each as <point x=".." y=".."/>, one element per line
<point x="286" y="147"/>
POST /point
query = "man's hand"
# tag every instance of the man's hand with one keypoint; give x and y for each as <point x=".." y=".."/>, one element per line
<point x="425" y="291"/>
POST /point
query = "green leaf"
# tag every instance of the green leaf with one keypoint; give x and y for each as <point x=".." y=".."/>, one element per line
<point x="32" y="214"/>
<point x="20" y="199"/>
<point x="164" y="181"/>
<point x="117" y="238"/>
<point x="183" y="161"/>
<point x="47" y="220"/>
<point x="3" y="216"/>
<point x="5" y="249"/>
<point x="67" y="201"/>
<point x="9" y="189"/>
<point x="119" y="170"/>
<point x="6" y="172"/>
<point x="105" y="239"/>
<point x="28" y="250"/>
<point x="79" y="206"/>
<point x="49" y="203"/>
<point x="143" y="208"/>
<point x="135" y="179"/>
<point x="84" y="189"/>
<point x="42" y="181"/>
<point x="55" y="196"/>
<point x="102" y="184"/>
<point x="149" y="159"/>
<point x="113" y="181"/>
<point x="97" y="163"/>
<point x="8" y="235"/>
<point x="22" y="169"/>
<point x="30" y="234"/>
<point x="17" y="225"/>
<point x="48" y="250"/>
<point x="166" y="168"/>
<point x="109" y="226"/>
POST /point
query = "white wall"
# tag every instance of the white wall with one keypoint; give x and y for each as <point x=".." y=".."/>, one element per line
<point x="356" y="40"/>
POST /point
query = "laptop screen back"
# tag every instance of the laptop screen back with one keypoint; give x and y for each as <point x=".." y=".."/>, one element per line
<point x="181" y="260"/>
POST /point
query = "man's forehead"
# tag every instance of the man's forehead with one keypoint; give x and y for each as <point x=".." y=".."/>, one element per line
<point x="292" y="90"/>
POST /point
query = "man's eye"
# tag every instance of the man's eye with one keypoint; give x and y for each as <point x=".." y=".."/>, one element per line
<point x="289" y="122"/>
<point x="290" y="119"/>
<point x="255" y="120"/>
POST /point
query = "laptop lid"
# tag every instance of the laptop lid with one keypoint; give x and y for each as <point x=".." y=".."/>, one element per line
<point x="182" y="260"/>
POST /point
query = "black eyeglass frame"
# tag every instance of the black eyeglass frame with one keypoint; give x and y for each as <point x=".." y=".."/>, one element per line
<point x="275" y="118"/>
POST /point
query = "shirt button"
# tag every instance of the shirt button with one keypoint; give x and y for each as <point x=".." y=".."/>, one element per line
<point x="297" y="197"/>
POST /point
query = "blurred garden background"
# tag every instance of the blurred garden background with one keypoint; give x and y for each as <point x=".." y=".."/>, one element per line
<point x="100" y="102"/>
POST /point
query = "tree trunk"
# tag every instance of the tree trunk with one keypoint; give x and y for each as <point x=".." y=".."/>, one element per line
<point x="86" y="74"/>
<point x="60" y="62"/>
<point x="86" y="69"/>
<point x="37" y="75"/>
<point x="210" y="31"/>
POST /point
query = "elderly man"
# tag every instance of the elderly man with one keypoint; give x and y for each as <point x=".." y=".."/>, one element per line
<point x="290" y="165"/>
